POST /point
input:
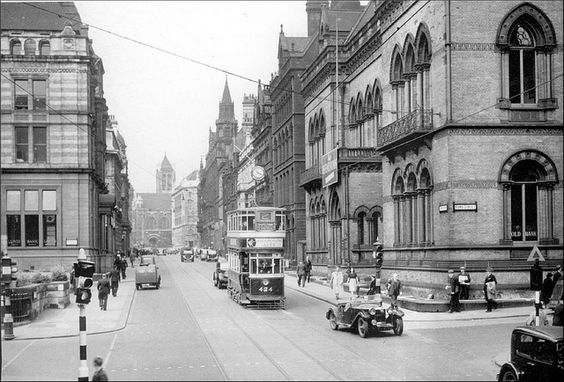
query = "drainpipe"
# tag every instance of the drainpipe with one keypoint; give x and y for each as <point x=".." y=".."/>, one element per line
<point x="448" y="79"/>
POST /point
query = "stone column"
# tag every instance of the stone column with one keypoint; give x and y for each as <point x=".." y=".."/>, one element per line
<point x="507" y="212"/>
<point x="397" y="221"/>
<point x="542" y="228"/>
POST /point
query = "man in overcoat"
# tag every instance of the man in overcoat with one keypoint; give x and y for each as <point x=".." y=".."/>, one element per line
<point x="454" y="290"/>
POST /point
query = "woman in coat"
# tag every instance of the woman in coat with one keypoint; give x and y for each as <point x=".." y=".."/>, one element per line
<point x="354" y="282"/>
<point x="336" y="282"/>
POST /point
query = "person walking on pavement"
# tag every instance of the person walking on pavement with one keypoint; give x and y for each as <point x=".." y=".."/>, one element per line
<point x="301" y="271"/>
<point x="308" y="268"/>
<point x="99" y="372"/>
<point x="453" y="288"/>
<point x="114" y="280"/>
<point x="490" y="284"/>
<point x="558" y="314"/>
<point x="336" y="282"/>
<point x="103" y="291"/>
<point x="123" y="262"/>
<point x="546" y="289"/>
<point x="131" y="257"/>
<point x="394" y="290"/>
<point x="464" y="282"/>
<point x="354" y="282"/>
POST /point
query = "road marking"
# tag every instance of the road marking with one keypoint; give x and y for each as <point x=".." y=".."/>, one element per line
<point x="17" y="355"/>
<point x="107" y="358"/>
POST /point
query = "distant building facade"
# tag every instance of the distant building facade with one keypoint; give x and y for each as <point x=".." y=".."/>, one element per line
<point x="185" y="212"/>
<point x="53" y="174"/>
<point x="152" y="212"/>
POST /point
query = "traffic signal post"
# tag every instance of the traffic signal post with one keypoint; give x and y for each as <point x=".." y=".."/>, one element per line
<point x="9" y="270"/>
<point x="379" y="257"/>
<point x="83" y="272"/>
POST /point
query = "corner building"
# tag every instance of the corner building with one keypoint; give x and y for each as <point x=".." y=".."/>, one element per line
<point x="463" y="100"/>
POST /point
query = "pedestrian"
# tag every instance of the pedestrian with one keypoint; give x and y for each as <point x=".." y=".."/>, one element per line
<point x="308" y="268"/>
<point x="131" y="257"/>
<point x="114" y="280"/>
<point x="394" y="290"/>
<point x="546" y="289"/>
<point x="453" y="289"/>
<point x="99" y="372"/>
<point x="354" y="282"/>
<point x="103" y="291"/>
<point x="558" y="313"/>
<point x="372" y="286"/>
<point x="301" y="271"/>
<point x="490" y="284"/>
<point x="557" y="274"/>
<point x="464" y="283"/>
<point x="123" y="262"/>
<point x="336" y="282"/>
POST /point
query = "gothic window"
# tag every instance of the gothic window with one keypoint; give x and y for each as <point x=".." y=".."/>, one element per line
<point x="360" y="227"/>
<point x="528" y="178"/>
<point x="397" y="83"/>
<point x="526" y="39"/>
<point x="423" y="56"/>
<point x="15" y="47"/>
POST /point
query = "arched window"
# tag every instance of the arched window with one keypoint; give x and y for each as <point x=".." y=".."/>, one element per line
<point x="397" y="82"/>
<point x="410" y="76"/>
<point x="15" y="47"/>
<point x="422" y="66"/>
<point x="399" y="207"/>
<point x="29" y="47"/>
<point x="528" y="178"/>
<point x="360" y="227"/>
<point x="44" y="48"/>
<point x="526" y="39"/>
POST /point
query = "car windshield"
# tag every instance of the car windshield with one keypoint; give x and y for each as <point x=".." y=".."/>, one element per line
<point x="224" y="265"/>
<point x="147" y="260"/>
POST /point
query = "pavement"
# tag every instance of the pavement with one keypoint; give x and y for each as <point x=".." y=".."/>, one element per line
<point x="60" y="323"/>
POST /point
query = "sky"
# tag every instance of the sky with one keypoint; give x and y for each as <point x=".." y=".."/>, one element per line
<point x="165" y="104"/>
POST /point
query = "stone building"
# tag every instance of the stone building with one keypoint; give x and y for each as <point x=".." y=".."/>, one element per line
<point x="210" y="191"/>
<point x="463" y="103"/>
<point x="114" y="208"/>
<point x="185" y="212"/>
<point x="152" y="212"/>
<point x="261" y="134"/>
<point x="52" y="162"/>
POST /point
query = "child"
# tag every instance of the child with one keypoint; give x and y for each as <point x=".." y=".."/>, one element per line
<point x="99" y="372"/>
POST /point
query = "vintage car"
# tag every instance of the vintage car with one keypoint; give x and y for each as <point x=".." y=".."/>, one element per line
<point x="187" y="254"/>
<point x="147" y="273"/>
<point x="536" y="355"/>
<point x="220" y="274"/>
<point x="366" y="316"/>
<point x="212" y="255"/>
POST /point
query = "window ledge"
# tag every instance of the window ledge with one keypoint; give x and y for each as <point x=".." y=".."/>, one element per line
<point x="542" y="104"/>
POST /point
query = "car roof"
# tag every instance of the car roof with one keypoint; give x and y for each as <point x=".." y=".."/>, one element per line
<point x="551" y="333"/>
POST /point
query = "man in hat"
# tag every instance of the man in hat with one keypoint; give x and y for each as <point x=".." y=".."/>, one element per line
<point x="454" y="290"/>
<point x="464" y="282"/>
<point x="490" y="284"/>
<point x="394" y="290"/>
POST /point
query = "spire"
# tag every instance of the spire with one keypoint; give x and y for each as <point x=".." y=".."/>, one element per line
<point x="226" y="95"/>
<point x="166" y="163"/>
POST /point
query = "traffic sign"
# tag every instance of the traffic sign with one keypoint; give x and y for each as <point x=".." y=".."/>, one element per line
<point x="535" y="254"/>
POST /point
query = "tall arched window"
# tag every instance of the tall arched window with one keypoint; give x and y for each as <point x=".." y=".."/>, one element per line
<point x="423" y="58"/>
<point x="15" y="47"/>
<point x="528" y="178"/>
<point x="526" y="39"/>
<point x="44" y="48"/>
<point x="360" y="227"/>
<point x="397" y="82"/>
<point x="29" y="47"/>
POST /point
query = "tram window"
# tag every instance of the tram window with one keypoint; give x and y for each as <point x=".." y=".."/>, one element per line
<point x="279" y="222"/>
<point x="265" y="266"/>
<point x="254" y="266"/>
<point x="277" y="266"/>
<point x="251" y="223"/>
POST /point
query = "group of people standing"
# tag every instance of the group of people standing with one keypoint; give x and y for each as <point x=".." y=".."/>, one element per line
<point x="111" y="284"/>
<point x="458" y="286"/>
<point x="304" y="272"/>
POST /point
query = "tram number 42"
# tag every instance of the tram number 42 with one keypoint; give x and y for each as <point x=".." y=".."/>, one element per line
<point x="265" y="289"/>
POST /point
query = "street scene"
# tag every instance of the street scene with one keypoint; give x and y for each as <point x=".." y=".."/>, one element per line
<point x="282" y="190"/>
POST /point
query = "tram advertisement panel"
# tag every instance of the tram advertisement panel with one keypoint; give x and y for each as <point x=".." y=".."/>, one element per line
<point x="267" y="286"/>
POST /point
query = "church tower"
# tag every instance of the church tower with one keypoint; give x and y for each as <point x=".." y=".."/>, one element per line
<point x="165" y="177"/>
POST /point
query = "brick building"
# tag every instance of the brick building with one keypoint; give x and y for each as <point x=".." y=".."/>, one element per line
<point x="463" y="102"/>
<point x="53" y="136"/>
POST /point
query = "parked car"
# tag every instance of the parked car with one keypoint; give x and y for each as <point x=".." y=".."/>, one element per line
<point x="204" y="255"/>
<point x="220" y="274"/>
<point x="536" y="355"/>
<point x="365" y="316"/>
<point x="212" y="255"/>
<point x="147" y="273"/>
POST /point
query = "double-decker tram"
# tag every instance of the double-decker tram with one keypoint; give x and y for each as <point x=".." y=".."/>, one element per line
<point x="255" y="252"/>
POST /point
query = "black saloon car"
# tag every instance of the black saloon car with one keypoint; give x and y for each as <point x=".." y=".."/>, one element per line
<point x="365" y="316"/>
<point x="220" y="274"/>
<point x="536" y="355"/>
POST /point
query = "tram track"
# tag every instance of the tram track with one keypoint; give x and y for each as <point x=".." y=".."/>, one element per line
<point x="320" y="363"/>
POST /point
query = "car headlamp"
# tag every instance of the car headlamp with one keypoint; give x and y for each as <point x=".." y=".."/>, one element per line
<point x="372" y="311"/>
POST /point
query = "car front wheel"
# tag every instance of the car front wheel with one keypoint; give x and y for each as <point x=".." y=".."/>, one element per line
<point x="508" y="375"/>
<point x="362" y="327"/>
<point x="333" y="321"/>
<point x="398" y="326"/>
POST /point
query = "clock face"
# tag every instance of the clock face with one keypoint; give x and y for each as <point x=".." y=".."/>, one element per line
<point x="258" y="173"/>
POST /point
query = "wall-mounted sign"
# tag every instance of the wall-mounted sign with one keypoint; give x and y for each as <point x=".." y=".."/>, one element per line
<point x="443" y="208"/>
<point x="269" y="242"/>
<point x="465" y="207"/>
<point x="72" y="242"/>
<point x="328" y="166"/>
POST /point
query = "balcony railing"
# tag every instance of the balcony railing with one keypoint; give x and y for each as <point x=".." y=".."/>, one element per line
<point x="415" y="123"/>
<point x="310" y="174"/>
<point x="358" y="154"/>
